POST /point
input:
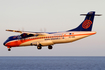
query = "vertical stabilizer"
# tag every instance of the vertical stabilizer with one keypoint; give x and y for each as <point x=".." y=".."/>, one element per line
<point x="86" y="25"/>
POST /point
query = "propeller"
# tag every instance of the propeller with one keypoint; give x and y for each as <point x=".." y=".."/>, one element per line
<point x="44" y="30"/>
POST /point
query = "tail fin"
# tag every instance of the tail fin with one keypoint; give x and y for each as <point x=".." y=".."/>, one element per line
<point x="86" y="25"/>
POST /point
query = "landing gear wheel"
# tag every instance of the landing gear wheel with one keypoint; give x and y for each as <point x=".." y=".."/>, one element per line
<point x="50" y="47"/>
<point x="39" y="47"/>
<point x="9" y="49"/>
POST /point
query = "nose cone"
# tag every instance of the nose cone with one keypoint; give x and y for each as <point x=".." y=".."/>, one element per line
<point x="4" y="43"/>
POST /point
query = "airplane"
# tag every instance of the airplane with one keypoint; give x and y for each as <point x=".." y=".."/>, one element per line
<point x="41" y="39"/>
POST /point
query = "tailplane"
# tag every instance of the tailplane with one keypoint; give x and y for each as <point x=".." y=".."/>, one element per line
<point x="86" y="25"/>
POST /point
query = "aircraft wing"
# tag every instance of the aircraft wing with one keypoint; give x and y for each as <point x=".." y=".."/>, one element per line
<point x="35" y="33"/>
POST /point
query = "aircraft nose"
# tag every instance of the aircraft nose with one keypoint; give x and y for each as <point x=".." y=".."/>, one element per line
<point x="4" y="43"/>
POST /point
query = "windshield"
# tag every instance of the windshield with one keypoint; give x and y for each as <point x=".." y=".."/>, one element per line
<point x="25" y="35"/>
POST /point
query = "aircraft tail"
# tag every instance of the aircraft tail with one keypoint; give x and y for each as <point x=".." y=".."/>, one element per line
<point x="86" y="25"/>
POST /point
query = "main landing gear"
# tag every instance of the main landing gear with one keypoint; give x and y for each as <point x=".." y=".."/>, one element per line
<point x="50" y="47"/>
<point x="40" y="47"/>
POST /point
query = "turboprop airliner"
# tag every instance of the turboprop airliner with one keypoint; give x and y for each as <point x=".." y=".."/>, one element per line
<point x="41" y="39"/>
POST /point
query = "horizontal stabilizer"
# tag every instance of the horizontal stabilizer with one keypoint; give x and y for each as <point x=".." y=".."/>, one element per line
<point x="90" y="15"/>
<point x="86" y="25"/>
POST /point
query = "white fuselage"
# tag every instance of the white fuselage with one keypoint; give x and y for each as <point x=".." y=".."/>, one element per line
<point x="61" y="37"/>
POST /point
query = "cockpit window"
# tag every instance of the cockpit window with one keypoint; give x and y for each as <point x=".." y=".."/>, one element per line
<point x="25" y="35"/>
<point x="30" y="35"/>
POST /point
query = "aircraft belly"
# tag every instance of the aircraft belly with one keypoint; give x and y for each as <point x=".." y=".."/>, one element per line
<point x="46" y="43"/>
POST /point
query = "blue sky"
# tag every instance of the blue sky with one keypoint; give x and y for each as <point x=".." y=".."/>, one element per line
<point x="52" y="15"/>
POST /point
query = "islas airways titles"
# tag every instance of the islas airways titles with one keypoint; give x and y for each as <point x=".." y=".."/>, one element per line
<point x="41" y="39"/>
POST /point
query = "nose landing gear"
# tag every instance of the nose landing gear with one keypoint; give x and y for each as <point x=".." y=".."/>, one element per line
<point x="9" y="48"/>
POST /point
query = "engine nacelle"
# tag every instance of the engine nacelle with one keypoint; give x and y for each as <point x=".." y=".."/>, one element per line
<point x="46" y="43"/>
